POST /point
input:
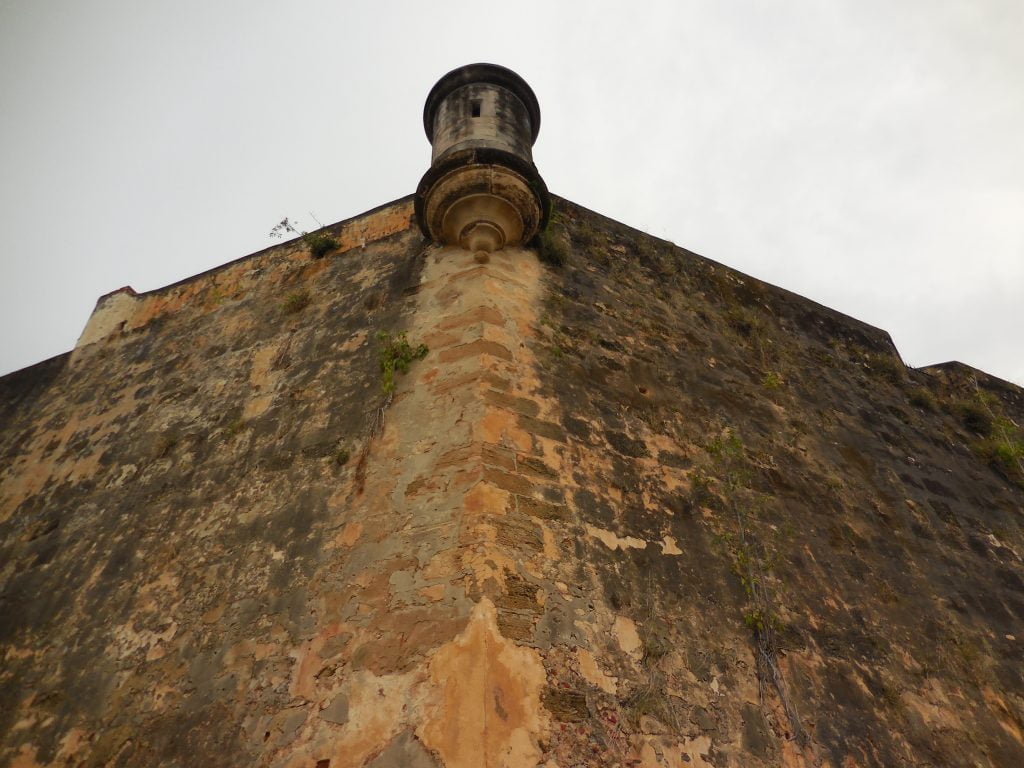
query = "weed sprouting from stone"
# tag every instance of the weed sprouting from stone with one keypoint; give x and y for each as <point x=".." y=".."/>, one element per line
<point x="976" y="414"/>
<point x="216" y="296"/>
<point x="295" y="302"/>
<point x="650" y="701"/>
<point x="923" y="399"/>
<point x="1004" y="453"/>
<point x="234" y="427"/>
<point x="396" y="354"/>
<point x="587" y="236"/>
<point x="552" y="245"/>
<point x="743" y="321"/>
<point x="700" y="488"/>
<point x="652" y="698"/>
<point x="731" y="465"/>
<point x="165" y="445"/>
<point x="320" y="243"/>
<point x="553" y="248"/>
<point x="886" y="367"/>
<point x="1002" y="441"/>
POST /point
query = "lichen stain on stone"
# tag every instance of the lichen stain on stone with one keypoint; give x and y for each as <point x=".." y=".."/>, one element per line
<point x="696" y="749"/>
<point x="553" y="492"/>
<point x="127" y="640"/>
<point x="488" y="710"/>
<point x="40" y="467"/>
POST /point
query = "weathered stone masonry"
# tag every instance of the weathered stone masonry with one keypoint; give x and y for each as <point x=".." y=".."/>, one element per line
<point x="221" y="544"/>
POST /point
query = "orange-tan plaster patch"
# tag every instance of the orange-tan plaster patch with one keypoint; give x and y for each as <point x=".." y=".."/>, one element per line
<point x="627" y="637"/>
<point x="432" y="593"/>
<point x="485" y="499"/>
<point x="378" y="708"/>
<point x="488" y="709"/>
<point x="500" y="427"/>
<point x="593" y="673"/>
<point x="354" y="343"/>
<point x="614" y="542"/>
<point x="26" y="757"/>
<point x="669" y="546"/>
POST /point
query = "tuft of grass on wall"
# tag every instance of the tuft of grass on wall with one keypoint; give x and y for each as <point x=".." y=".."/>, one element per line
<point x="886" y="367"/>
<point x="976" y="416"/>
<point x="923" y="399"/>
<point x="396" y="354"/>
<point x="319" y="244"/>
<point x="295" y="302"/>
<point x="743" y="321"/>
<point x="1004" y="452"/>
<point x="552" y="244"/>
<point x="771" y="380"/>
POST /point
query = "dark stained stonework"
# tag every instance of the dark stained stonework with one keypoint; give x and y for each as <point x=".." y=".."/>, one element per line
<point x="185" y="500"/>
<point x="894" y="548"/>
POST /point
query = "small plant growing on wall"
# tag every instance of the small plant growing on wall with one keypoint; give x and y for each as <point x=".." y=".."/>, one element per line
<point x="1004" y="452"/>
<point x="295" y="302"/>
<point x="976" y="414"/>
<point x="771" y="380"/>
<point x="1001" y="443"/>
<point x="732" y="466"/>
<point x="886" y="367"/>
<point x="396" y="354"/>
<point x="320" y="243"/>
<point x="743" y="321"/>
<point x="923" y="399"/>
<point x="552" y="246"/>
<point x="235" y="427"/>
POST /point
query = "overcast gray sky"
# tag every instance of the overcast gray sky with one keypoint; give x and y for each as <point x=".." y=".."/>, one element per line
<point x="868" y="154"/>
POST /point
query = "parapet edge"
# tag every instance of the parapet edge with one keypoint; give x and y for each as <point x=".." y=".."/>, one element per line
<point x="876" y="339"/>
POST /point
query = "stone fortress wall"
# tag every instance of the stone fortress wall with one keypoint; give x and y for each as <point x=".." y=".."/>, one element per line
<point x="218" y="549"/>
<point x="618" y="505"/>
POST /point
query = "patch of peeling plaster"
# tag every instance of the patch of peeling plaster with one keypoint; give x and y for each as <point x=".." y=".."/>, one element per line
<point x="488" y="711"/>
